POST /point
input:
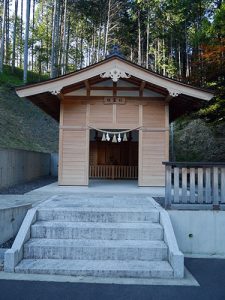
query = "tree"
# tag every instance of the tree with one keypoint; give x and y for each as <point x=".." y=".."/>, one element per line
<point x="14" y="36"/>
<point x="25" y="68"/>
<point x="3" y="36"/>
<point x="64" y="41"/>
<point x="55" y="39"/>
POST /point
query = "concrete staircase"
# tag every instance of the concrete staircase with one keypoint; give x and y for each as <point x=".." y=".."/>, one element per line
<point x="97" y="241"/>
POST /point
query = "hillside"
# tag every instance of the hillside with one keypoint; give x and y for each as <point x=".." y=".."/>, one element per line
<point x="23" y="125"/>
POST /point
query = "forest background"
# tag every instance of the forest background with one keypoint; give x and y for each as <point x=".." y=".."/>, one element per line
<point x="183" y="40"/>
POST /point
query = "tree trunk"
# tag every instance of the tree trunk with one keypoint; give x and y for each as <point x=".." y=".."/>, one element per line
<point x="179" y="61"/>
<point x="155" y="62"/>
<point x="57" y="40"/>
<point x="47" y="40"/>
<point x="41" y="41"/>
<point x="26" y="42"/>
<point x="67" y="45"/>
<point x="81" y="50"/>
<point x="54" y="40"/>
<point x="63" y="69"/>
<point x="92" y="52"/>
<point x="60" y="42"/>
<point x="139" y="38"/>
<point x="147" y="42"/>
<point x="76" y="53"/>
<point x="14" y="37"/>
<point x="158" y="56"/>
<point x="99" y="42"/>
<point x="164" y="58"/>
<point x="32" y="45"/>
<point x="21" y="34"/>
<point x="107" y="27"/>
<point x="186" y="46"/>
<point x="131" y="53"/>
<point x="3" y="36"/>
<point x="7" y="39"/>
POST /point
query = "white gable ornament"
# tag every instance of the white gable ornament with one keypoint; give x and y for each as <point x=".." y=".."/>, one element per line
<point x="174" y="93"/>
<point x="115" y="74"/>
<point x="55" y="92"/>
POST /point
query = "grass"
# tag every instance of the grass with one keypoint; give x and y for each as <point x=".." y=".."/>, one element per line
<point x="23" y="125"/>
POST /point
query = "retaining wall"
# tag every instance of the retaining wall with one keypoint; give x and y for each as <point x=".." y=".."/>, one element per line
<point x="199" y="232"/>
<point x="11" y="219"/>
<point x="18" y="166"/>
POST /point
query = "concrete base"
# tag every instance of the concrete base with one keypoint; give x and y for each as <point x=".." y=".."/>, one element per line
<point x="187" y="280"/>
<point x="101" y="186"/>
<point x="9" y="201"/>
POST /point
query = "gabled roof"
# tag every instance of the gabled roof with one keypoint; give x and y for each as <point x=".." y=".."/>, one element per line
<point x="44" y="93"/>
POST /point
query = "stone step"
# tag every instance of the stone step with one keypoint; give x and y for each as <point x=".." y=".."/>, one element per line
<point x="97" y="231"/>
<point x="95" y="249"/>
<point x="97" y="268"/>
<point x="99" y="214"/>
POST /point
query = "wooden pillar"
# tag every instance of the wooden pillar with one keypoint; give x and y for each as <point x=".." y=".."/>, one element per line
<point x="140" y="137"/>
<point x="167" y="132"/>
<point x="60" y="143"/>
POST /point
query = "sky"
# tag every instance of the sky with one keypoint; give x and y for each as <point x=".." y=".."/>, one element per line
<point x="12" y="8"/>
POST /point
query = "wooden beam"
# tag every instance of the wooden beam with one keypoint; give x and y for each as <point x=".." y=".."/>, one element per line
<point x="142" y="86"/>
<point x="112" y="88"/>
<point x="60" y="96"/>
<point x="88" y="88"/>
<point x="81" y="84"/>
<point x="156" y="89"/>
<point x="97" y="79"/>
<point x="168" y="98"/>
<point x="73" y="87"/>
<point x="85" y="98"/>
<point x="87" y="84"/>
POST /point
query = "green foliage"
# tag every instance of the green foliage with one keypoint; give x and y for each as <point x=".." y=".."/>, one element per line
<point x="16" y="78"/>
<point x="195" y="140"/>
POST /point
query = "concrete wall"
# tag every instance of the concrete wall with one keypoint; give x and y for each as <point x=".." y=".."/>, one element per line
<point x="54" y="164"/>
<point x="18" y="166"/>
<point x="11" y="220"/>
<point x="199" y="232"/>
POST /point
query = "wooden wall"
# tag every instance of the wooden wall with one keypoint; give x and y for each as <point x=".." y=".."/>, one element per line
<point x="73" y="144"/>
<point x="76" y="115"/>
<point x="153" y="144"/>
<point x="74" y="157"/>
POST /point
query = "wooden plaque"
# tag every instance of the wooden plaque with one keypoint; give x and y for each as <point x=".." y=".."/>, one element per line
<point x="114" y="100"/>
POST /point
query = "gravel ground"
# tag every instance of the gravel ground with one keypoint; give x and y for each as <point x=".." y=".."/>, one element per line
<point x="23" y="188"/>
